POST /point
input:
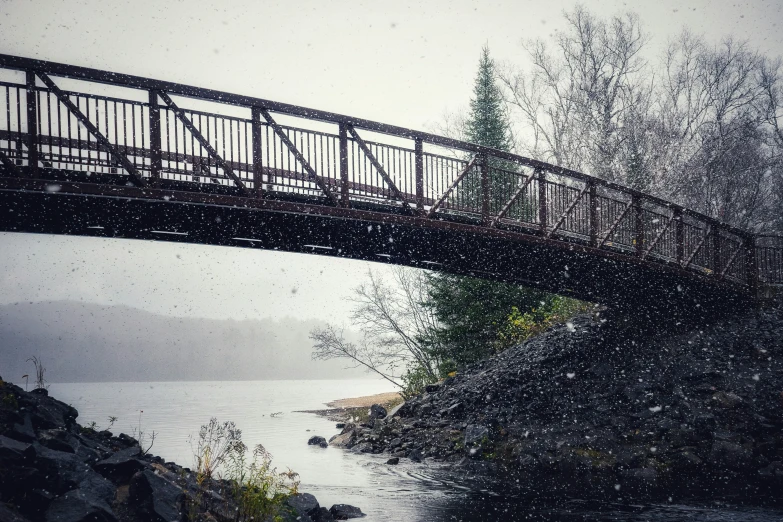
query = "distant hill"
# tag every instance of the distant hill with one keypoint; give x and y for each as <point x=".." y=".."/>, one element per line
<point x="81" y="342"/>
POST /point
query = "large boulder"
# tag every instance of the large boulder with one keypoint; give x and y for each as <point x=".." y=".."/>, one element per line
<point x="9" y="514"/>
<point x="122" y="465"/>
<point x="377" y="412"/>
<point x="46" y="412"/>
<point x="155" y="497"/>
<point x="317" y="440"/>
<point x="65" y="470"/>
<point x="79" y="506"/>
<point x="345" y="512"/>
<point x="344" y="440"/>
<point x="728" y="455"/>
<point x="304" y="504"/>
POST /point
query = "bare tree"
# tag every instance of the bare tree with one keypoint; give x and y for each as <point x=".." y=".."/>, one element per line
<point x="397" y="327"/>
<point x="702" y="128"/>
<point x="578" y="97"/>
<point x="716" y="114"/>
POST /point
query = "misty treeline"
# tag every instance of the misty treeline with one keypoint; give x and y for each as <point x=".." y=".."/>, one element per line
<point x="699" y="125"/>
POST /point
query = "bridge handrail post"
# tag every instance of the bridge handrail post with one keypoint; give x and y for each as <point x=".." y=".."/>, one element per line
<point x="345" y="198"/>
<point x="636" y="202"/>
<point x="716" y="250"/>
<point x="258" y="170"/>
<point x="419" y="153"/>
<point x="156" y="157"/>
<point x="485" y="188"/>
<point x="751" y="264"/>
<point x="542" y="210"/>
<point x="679" y="236"/>
<point x="593" y="214"/>
<point x="32" y="124"/>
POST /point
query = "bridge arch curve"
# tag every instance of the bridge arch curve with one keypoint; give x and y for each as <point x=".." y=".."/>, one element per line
<point x="141" y="162"/>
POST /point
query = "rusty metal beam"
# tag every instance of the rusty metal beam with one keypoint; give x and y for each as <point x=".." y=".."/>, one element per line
<point x="299" y="156"/>
<point x="453" y="185"/>
<point x="562" y="218"/>
<point x="378" y="167"/>
<point x="103" y="140"/>
<point x="658" y="237"/>
<point x="511" y="201"/>
<point x="203" y="141"/>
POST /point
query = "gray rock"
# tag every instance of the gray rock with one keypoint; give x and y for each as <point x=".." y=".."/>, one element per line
<point x="345" y="512"/>
<point x="729" y="455"/>
<point x="122" y="465"/>
<point x="65" y="470"/>
<point x="79" y="506"/>
<point x="415" y="455"/>
<point x="9" y="514"/>
<point x="727" y="400"/>
<point x="316" y="440"/>
<point x="377" y="412"/>
<point x="304" y="504"/>
<point x="393" y="461"/>
<point x="156" y="497"/>
<point x="344" y="440"/>
<point x="24" y="431"/>
<point x="59" y="440"/>
<point x="15" y="451"/>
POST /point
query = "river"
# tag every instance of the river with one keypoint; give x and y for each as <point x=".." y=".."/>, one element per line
<point x="268" y="413"/>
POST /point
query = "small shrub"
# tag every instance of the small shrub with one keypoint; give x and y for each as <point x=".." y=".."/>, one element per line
<point x="215" y="443"/>
<point x="414" y="381"/>
<point x="522" y="326"/>
<point x="258" y="488"/>
<point x="40" y="381"/>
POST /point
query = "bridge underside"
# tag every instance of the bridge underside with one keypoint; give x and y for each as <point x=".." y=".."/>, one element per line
<point x="665" y="293"/>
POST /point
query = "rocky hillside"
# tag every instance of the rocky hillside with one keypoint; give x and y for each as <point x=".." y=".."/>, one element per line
<point x="592" y="408"/>
<point x="54" y="470"/>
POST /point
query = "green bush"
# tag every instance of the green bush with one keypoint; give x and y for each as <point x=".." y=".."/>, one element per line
<point x="522" y="326"/>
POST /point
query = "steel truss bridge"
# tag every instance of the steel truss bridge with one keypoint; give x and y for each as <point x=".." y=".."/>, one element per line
<point x="96" y="153"/>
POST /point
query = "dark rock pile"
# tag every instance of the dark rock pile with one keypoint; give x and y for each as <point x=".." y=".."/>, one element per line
<point x="53" y="469"/>
<point x="594" y="408"/>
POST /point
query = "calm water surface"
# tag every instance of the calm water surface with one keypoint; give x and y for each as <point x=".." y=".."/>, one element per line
<point x="420" y="492"/>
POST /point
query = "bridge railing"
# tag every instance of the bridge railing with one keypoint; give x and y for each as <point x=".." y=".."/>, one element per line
<point x="151" y="132"/>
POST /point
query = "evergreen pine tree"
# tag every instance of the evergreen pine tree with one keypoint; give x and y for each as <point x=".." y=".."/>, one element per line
<point x="473" y="311"/>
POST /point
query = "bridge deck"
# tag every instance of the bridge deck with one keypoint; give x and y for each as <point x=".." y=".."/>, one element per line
<point x="76" y="156"/>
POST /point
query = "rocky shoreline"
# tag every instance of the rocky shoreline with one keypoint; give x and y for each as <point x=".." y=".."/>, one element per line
<point x="594" y="409"/>
<point x="53" y="469"/>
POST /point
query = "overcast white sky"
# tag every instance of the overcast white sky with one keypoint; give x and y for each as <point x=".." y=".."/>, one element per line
<point x="400" y="62"/>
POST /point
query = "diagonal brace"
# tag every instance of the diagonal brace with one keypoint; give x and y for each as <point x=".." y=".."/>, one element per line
<point x="614" y="225"/>
<point x="10" y="165"/>
<point x="659" y="236"/>
<point x="511" y="201"/>
<point x="453" y="185"/>
<point x="298" y="155"/>
<point x="378" y="167"/>
<point x="563" y="217"/>
<point x="707" y="235"/>
<point x="203" y="141"/>
<point x="103" y="140"/>
<point x="730" y="261"/>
